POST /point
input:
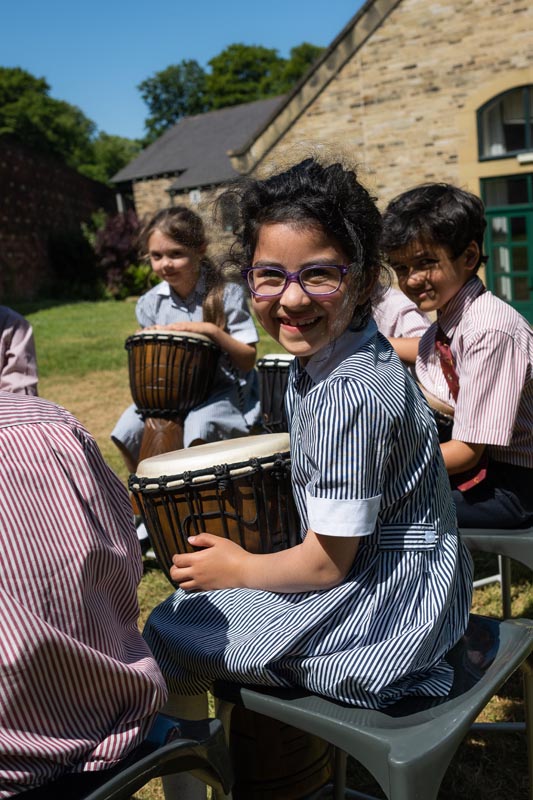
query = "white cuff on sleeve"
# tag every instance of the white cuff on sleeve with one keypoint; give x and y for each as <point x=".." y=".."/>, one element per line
<point x="342" y="517"/>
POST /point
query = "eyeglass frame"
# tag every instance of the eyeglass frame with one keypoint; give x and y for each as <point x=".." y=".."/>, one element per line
<point x="295" y="277"/>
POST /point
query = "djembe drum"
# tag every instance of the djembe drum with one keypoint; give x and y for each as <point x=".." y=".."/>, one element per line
<point x="273" y="371"/>
<point x="170" y="373"/>
<point x="239" y="489"/>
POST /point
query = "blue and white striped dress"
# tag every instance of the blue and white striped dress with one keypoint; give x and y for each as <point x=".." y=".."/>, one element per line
<point x="365" y="456"/>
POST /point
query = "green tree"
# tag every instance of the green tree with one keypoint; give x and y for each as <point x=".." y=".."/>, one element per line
<point x="15" y="82"/>
<point x="243" y="73"/>
<point x="239" y="74"/>
<point x="175" y="92"/>
<point x="301" y="58"/>
<point x="108" y="155"/>
<point x="54" y="126"/>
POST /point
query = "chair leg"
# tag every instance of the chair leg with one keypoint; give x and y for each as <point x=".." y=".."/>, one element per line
<point x="223" y="709"/>
<point x="339" y="774"/>
<point x="527" y="672"/>
<point x="505" y="573"/>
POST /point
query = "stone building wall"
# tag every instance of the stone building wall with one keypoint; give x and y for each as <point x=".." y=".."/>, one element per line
<point x="404" y="104"/>
<point x="150" y="196"/>
<point x="42" y="203"/>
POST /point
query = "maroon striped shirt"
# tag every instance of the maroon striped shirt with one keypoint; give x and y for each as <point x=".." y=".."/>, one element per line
<point x="78" y="686"/>
<point x="492" y="346"/>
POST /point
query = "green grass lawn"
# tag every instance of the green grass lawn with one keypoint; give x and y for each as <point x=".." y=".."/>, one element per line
<point x="83" y="366"/>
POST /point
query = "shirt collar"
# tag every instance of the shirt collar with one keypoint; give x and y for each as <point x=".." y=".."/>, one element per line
<point x="328" y="358"/>
<point x="195" y="297"/>
<point x="449" y="318"/>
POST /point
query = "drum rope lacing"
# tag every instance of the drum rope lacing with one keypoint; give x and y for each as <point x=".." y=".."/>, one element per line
<point x="279" y="461"/>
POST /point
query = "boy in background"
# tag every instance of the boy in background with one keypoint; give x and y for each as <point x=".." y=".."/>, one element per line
<point x="477" y="357"/>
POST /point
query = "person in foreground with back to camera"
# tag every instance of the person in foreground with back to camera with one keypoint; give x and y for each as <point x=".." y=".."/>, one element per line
<point x="195" y="297"/>
<point x="18" y="363"/>
<point x="366" y="607"/>
<point x="79" y="688"/>
<point x="477" y="357"/>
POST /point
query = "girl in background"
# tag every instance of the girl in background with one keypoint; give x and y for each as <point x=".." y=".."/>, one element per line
<point x="193" y="296"/>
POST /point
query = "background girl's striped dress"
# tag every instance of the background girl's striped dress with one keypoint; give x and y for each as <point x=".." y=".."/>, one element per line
<point x="362" y="437"/>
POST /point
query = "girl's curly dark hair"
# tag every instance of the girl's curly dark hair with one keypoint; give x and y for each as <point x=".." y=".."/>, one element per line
<point x="311" y="194"/>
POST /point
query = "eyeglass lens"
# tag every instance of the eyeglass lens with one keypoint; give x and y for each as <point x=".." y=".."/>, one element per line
<point x="313" y="279"/>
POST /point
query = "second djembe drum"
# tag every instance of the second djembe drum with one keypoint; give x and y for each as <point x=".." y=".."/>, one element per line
<point x="273" y="371"/>
<point x="170" y="373"/>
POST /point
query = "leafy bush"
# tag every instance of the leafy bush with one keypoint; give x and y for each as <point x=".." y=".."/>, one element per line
<point x="136" y="280"/>
<point x="116" y="250"/>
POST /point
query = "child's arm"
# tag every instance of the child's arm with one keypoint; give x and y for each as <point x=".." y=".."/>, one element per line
<point x="461" y="456"/>
<point x="319" y="562"/>
<point x="242" y="354"/>
<point x="406" y="347"/>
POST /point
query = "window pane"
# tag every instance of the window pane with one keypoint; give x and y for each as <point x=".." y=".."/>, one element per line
<point x="518" y="228"/>
<point x="500" y="259"/>
<point x="503" y="124"/>
<point x="520" y="259"/>
<point x="505" y="191"/>
<point x="521" y="289"/>
<point x="503" y="288"/>
<point x="499" y="229"/>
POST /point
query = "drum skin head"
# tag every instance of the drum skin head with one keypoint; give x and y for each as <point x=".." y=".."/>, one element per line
<point x="269" y="358"/>
<point x="230" y="451"/>
<point x="156" y="333"/>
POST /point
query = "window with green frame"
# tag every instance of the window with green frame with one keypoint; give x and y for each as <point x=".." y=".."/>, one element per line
<point x="512" y="190"/>
<point x="505" y="124"/>
<point x="509" y="239"/>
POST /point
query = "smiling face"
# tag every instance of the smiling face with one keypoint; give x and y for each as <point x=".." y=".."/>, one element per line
<point x="429" y="275"/>
<point x="175" y="263"/>
<point x="300" y="323"/>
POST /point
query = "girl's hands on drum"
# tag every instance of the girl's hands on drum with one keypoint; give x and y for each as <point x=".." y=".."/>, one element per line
<point x="204" y="328"/>
<point x="219" y="565"/>
<point x="242" y="354"/>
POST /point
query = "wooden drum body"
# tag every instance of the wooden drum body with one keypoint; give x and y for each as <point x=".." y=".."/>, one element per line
<point x="273" y="371"/>
<point x="170" y="373"/>
<point x="239" y="489"/>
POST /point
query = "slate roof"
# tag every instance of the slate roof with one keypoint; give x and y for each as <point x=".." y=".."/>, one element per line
<point x="196" y="147"/>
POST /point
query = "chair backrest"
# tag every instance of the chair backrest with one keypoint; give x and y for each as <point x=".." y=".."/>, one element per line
<point x="172" y="745"/>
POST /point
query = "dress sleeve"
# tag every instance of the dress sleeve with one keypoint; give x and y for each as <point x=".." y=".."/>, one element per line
<point x="239" y="322"/>
<point x="146" y="310"/>
<point x="347" y="452"/>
